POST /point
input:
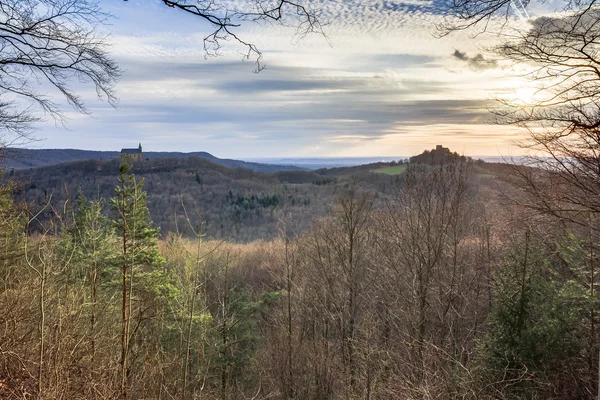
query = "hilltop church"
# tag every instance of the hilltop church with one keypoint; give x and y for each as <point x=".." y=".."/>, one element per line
<point x="132" y="154"/>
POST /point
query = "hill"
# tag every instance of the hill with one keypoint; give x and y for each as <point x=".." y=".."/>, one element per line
<point x="15" y="158"/>
<point x="437" y="156"/>
<point x="237" y="204"/>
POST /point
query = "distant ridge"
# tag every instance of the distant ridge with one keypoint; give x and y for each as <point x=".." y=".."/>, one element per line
<point x="14" y="158"/>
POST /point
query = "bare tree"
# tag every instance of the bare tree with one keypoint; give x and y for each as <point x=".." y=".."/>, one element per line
<point x="46" y="45"/>
<point x="339" y="278"/>
<point x="563" y="120"/>
<point x="483" y="14"/>
<point x="559" y="57"/>
<point x="430" y="275"/>
<point x="225" y="19"/>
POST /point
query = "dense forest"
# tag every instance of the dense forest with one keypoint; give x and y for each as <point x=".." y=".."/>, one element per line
<point x="202" y="278"/>
<point x="236" y="204"/>
<point x="437" y="283"/>
<point x="15" y="158"/>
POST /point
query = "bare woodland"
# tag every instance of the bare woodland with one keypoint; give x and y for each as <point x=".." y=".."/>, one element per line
<point x="437" y="291"/>
<point x="448" y="285"/>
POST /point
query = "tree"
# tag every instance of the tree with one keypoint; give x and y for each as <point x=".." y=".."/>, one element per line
<point x="52" y="42"/>
<point x="289" y="262"/>
<point x="12" y="234"/>
<point x="534" y="305"/>
<point x="563" y="122"/>
<point x="89" y="246"/>
<point x="339" y="274"/>
<point x="486" y="14"/>
<point x="225" y="18"/>
<point x="142" y="265"/>
<point x="558" y="55"/>
<point x="431" y="280"/>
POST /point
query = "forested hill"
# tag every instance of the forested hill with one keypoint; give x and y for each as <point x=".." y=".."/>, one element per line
<point x="16" y="159"/>
<point x="237" y="204"/>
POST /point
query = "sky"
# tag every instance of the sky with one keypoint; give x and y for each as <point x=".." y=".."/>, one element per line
<point x="380" y="84"/>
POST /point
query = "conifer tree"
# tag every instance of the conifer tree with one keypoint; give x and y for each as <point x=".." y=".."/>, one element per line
<point x="534" y="327"/>
<point x="89" y="246"/>
<point x="12" y="233"/>
<point x="145" y="280"/>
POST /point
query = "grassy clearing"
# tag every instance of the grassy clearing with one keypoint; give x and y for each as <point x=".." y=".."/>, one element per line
<point x="398" y="169"/>
<point x="483" y="172"/>
<point x="395" y="170"/>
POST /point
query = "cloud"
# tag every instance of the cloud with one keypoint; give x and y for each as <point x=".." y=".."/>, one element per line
<point x="255" y="86"/>
<point x="221" y="107"/>
<point x="384" y="74"/>
<point x="477" y="62"/>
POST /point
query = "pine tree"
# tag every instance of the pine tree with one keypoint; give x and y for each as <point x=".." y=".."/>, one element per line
<point x="534" y="326"/>
<point x="145" y="281"/>
<point x="89" y="246"/>
<point x="89" y="241"/>
<point x="12" y="234"/>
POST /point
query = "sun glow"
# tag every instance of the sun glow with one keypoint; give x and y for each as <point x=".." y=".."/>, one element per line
<point x="525" y="95"/>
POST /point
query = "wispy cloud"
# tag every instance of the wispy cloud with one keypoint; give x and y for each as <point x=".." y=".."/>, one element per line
<point x="385" y="77"/>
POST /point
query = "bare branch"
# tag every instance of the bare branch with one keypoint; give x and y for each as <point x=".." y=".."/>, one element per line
<point x="226" y="21"/>
<point x="50" y="43"/>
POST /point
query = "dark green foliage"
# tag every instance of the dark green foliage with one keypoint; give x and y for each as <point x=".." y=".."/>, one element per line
<point x="535" y="327"/>
<point x="236" y="329"/>
<point x="252" y="202"/>
<point x="132" y="221"/>
<point x="146" y="285"/>
<point x="89" y="244"/>
<point x="12" y="234"/>
<point x="133" y="218"/>
<point x="88" y="251"/>
<point x="325" y="181"/>
<point x="169" y="182"/>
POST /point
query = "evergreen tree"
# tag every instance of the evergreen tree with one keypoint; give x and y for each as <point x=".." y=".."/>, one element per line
<point x="534" y="327"/>
<point x="89" y="247"/>
<point x="145" y="280"/>
<point x="89" y="244"/>
<point x="12" y="234"/>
